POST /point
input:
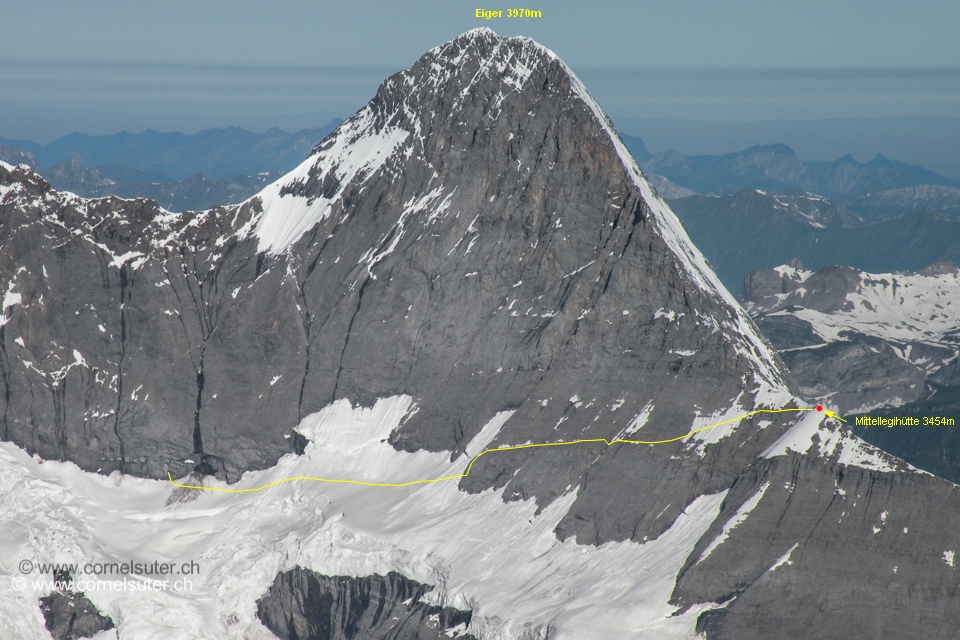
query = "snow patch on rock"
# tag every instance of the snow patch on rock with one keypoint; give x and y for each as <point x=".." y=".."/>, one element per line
<point x="352" y="155"/>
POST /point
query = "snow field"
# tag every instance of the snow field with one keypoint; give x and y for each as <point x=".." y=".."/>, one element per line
<point x="500" y="559"/>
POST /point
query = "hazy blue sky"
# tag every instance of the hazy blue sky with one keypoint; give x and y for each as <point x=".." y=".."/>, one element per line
<point x="103" y="66"/>
<point x="587" y="34"/>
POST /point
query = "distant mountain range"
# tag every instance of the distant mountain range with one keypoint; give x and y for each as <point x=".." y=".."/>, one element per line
<point x="232" y="162"/>
<point x="194" y="193"/>
<point x="878" y="190"/>
<point x="884" y="205"/>
<point x="776" y="167"/>
<point x="180" y="172"/>
<point x="217" y="153"/>
<point x="752" y="230"/>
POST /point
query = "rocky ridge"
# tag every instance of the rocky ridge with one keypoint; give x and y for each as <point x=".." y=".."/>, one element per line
<point x="303" y="605"/>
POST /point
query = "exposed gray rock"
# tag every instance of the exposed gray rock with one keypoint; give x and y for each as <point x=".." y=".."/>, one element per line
<point x="859" y="371"/>
<point x="69" y="615"/>
<point x="788" y="332"/>
<point x="846" y="553"/>
<point x="104" y="362"/>
<point x="303" y="605"/>
<point x="539" y="279"/>
<point x="767" y="283"/>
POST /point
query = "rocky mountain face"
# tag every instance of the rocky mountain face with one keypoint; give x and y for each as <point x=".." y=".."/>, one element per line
<point x="514" y="282"/>
<point x="303" y="605"/>
<point x="69" y="615"/>
<point x="862" y="340"/>
<point x="478" y="240"/>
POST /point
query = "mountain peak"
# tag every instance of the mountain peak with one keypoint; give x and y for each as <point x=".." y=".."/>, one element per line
<point x="475" y="237"/>
<point x="488" y="164"/>
<point x="476" y="93"/>
<point x="478" y="77"/>
<point x="487" y="36"/>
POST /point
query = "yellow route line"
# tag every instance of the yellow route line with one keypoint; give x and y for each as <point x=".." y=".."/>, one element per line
<point x="562" y="443"/>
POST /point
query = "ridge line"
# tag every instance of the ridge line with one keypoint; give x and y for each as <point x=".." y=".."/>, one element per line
<point x="410" y="483"/>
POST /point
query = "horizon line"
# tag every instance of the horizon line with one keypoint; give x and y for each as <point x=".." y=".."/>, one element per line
<point x="392" y="69"/>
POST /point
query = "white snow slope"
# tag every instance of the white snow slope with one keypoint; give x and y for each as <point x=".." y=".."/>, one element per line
<point x="922" y="307"/>
<point x="498" y="558"/>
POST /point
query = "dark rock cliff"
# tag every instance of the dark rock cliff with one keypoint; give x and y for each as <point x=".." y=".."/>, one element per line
<point x="303" y="605"/>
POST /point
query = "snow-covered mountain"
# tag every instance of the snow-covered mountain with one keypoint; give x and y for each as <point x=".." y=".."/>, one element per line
<point x="863" y="340"/>
<point x="472" y="260"/>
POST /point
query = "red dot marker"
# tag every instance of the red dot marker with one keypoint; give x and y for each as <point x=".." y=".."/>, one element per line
<point x="819" y="407"/>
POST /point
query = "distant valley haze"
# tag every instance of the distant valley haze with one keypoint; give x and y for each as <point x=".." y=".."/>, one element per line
<point x="699" y="78"/>
<point x="823" y="115"/>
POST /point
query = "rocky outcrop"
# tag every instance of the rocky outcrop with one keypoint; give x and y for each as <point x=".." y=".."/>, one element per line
<point x="847" y="553"/>
<point x="303" y="605"/>
<point x="69" y="615"/>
